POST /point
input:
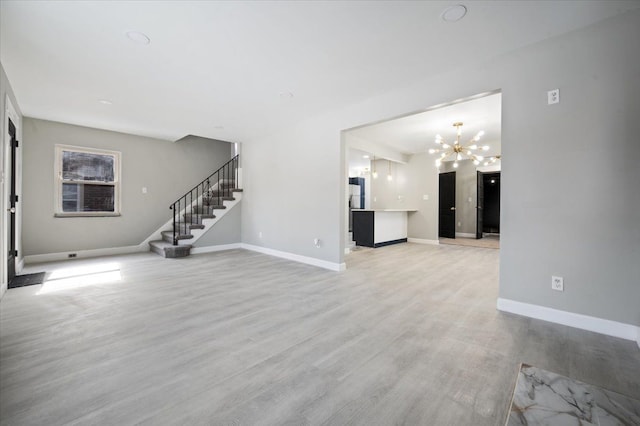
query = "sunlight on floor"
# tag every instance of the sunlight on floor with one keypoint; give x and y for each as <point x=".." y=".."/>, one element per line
<point x="83" y="276"/>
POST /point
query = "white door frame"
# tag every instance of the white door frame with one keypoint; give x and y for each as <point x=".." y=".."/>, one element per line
<point x="9" y="113"/>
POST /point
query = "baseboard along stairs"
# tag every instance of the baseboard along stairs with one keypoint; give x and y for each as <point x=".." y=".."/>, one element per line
<point x="195" y="213"/>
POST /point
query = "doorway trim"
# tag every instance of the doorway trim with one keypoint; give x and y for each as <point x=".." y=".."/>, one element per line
<point x="9" y="113"/>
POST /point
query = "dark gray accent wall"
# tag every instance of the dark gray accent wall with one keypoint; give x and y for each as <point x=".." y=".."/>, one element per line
<point x="165" y="168"/>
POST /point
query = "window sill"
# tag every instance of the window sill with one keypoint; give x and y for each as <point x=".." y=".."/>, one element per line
<point x="87" y="214"/>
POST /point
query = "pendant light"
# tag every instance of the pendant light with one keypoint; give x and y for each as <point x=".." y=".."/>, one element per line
<point x="375" y="173"/>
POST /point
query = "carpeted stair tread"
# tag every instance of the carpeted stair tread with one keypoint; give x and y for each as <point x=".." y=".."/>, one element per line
<point x="169" y="234"/>
<point x="181" y="225"/>
<point x="168" y="250"/>
<point x="214" y="206"/>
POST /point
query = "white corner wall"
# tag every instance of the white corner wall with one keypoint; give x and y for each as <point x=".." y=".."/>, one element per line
<point x="570" y="174"/>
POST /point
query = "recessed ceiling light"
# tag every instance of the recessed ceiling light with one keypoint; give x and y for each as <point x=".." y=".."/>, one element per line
<point x="286" y="95"/>
<point x="454" y="13"/>
<point x="105" y="102"/>
<point x="138" y="37"/>
<point x="365" y="156"/>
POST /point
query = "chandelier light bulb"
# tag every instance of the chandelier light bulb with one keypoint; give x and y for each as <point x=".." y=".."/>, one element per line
<point x="375" y="175"/>
<point x="458" y="151"/>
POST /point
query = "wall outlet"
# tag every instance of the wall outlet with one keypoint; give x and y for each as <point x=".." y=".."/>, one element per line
<point x="260" y="234"/>
<point x="553" y="96"/>
<point x="459" y="224"/>
<point x="557" y="283"/>
<point x="144" y="189"/>
<point x="70" y="255"/>
<point x="425" y="197"/>
<point x="316" y="242"/>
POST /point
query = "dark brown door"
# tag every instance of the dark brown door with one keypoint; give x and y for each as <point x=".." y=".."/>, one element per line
<point x="11" y="253"/>
<point x="479" y="205"/>
<point x="447" y="205"/>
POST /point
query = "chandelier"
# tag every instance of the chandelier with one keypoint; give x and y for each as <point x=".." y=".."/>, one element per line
<point x="459" y="152"/>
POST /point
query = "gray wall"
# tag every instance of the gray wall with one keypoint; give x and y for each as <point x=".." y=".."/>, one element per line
<point x="225" y="231"/>
<point x="466" y="187"/>
<point x="167" y="169"/>
<point x="411" y="182"/>
<point x="6" y="90"/>
<point x="570" y="174"/>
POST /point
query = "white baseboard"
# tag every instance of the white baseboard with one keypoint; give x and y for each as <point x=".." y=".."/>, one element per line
<point x="211" y="249"/>
<point x="111" y="251"/>
<point x="465" y="235"/>
<point x="584" y="322"/>
<point x="422" y="241"/>
<point x="297" y="258"/>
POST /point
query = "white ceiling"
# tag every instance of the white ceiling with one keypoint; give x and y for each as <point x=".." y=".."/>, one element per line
<point x="416" y="133"/>
<point x="224" y="64"/>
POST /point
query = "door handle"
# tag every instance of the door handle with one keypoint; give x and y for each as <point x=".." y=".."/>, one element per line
<point x="453" y="208"/>
<point x="12" y="210"/>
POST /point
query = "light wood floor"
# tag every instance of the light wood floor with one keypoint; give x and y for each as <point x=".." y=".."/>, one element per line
<point x="404" y="336"/>
<point x="492" y="241"/>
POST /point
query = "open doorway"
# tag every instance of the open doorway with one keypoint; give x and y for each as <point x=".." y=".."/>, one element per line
<point x="409" y="158"/>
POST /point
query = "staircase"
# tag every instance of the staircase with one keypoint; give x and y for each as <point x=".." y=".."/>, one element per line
<point x="199" y="210"/>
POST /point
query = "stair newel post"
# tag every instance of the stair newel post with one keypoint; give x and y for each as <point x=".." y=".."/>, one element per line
<point x="208" y="195"/>
<point x="175" y="241"/>
<point x="220" y="186"/>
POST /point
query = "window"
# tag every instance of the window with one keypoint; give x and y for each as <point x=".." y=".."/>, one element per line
<point x="88" y="182"/>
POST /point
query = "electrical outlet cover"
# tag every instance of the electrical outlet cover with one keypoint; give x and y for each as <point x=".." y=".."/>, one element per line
<point x="557" y="283"/>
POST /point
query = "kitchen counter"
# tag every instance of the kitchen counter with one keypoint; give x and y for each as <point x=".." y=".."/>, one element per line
<point x="380" y="227"/>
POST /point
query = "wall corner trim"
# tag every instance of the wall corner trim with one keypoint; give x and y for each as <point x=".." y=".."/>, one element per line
<point x="422" y="241"/>
<point x="584" y="322"/>
<point x="332" y="266"/>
